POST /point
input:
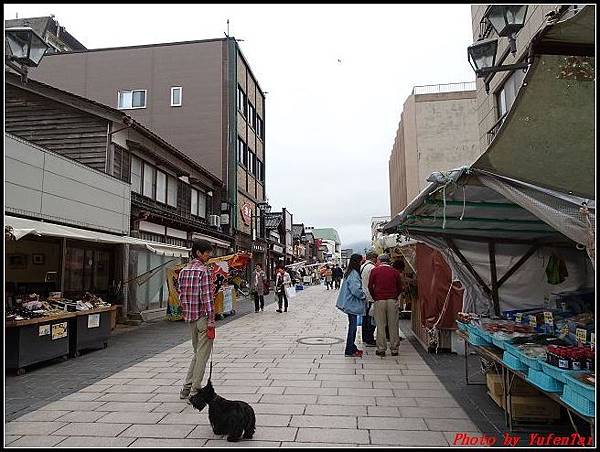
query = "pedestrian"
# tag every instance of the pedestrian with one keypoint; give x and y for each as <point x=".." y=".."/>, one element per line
<point x="282" y="282"/>
<point x="352" y="301"/>
<point x="337" y="274"/>
<point x="368" y="324"/>
<point x="196" y="295"/>
<point x="329" y="277"/>
<point x="259" y="283"/>
<point x="385" y="286"/>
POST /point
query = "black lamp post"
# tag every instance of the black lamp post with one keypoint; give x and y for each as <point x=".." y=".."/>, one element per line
<point x="506" y="20"/>
<point x="27" y="49"/>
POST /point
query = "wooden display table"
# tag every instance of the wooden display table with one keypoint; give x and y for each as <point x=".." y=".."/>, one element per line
<point x="36" y="340"/>
<point x="90" y="329"/>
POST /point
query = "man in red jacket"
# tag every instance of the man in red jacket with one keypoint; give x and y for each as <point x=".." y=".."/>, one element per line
<point x="385" y="286"/>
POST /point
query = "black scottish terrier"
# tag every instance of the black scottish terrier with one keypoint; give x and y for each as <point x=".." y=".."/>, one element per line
<point x="233" y="418"/>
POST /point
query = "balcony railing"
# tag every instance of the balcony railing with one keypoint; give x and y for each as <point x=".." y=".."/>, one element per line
<point x="444" y="88"/>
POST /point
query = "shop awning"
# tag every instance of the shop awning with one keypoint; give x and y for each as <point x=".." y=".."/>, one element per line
<point x="22" y="227"/>
<point x="548" y="136"/>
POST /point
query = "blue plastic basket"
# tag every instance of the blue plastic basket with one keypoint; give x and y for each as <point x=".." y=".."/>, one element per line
<point x="474" y="339"/>
<point x="512" y="362"/>
<point x="486" y="335"/>
<point x="510" y="347"/>
<point x="586" y="391"/>
<point x="544" y="381"/>
<point x="299" y="287"/>
<point x="461" y="326"/>
<point x="529" y="362"/>
<point x="578" y="402"/>
<point x="500" y="343"/>
<point x="559" y="374"/>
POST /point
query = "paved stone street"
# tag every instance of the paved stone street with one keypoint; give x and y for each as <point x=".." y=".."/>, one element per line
<point x="303" y="395"/>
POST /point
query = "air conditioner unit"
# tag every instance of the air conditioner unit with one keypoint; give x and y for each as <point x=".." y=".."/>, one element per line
<point x="214" y="220"/>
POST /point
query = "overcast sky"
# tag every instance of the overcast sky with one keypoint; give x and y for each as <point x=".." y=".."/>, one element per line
<point x="330" y="126"/>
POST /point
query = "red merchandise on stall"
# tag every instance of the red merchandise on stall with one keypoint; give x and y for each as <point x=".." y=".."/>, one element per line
<point x="438" y="301"/>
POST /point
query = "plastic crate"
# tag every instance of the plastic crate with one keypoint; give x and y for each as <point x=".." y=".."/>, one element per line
<point x="532" y="363"/>
<point x="512" y="362"/>
<point x="559" y="374"/>
<point x="578" y="402"/>
<point x="299" y="287"/>
<point x="486" y="335"/>
<point x="474" y="339"/>
<point x="544" y="381"/>
<point x="461" y="326"/>
<point x="580" y="388"/>
<point x="500" y="343"/>
<point x="510" y="347"/>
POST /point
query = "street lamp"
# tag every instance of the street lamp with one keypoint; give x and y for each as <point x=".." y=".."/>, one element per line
<point x="506" y="20"/>
<point x="27" y="49"/>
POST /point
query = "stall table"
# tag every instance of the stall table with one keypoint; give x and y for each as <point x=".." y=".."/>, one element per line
<point x="90" y="329"/>
<point x="494" y="354"/>
<point x="36" y="340"/>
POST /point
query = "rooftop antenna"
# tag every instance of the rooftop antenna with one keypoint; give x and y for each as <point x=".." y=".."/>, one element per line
<point x="227" y="34"/>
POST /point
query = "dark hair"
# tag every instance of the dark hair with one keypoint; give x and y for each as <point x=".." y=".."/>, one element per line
<point x="399" y="265"/>
<point x="353" y="264"/>
<point x="258" y="265"/>
<point x="371" y="255"/>
<point x="201" y="245"/>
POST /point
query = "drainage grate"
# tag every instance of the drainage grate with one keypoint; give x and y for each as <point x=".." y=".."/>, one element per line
<point x="322" y="340"/>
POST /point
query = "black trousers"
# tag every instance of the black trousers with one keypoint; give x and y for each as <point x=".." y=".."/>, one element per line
<point x="337" y="281"/>
<point x="258" y="298"/>
<point x="368" y="330"/>
<point x="282" y="297"/>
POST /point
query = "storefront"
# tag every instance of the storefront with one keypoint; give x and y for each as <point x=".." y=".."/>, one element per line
<point x="276" y="256"/>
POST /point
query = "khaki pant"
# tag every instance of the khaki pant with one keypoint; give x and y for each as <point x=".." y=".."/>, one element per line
<point x="202" y="348"/>
<point x="386" y="314"/>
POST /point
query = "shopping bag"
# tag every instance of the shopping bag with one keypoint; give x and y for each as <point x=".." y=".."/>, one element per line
<point x="290" y="292"/>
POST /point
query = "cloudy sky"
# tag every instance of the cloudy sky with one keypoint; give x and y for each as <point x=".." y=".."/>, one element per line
<point x="330" y="125"/>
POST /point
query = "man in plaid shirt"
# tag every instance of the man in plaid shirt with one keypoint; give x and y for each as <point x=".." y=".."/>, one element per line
<point x="196" y="295"/>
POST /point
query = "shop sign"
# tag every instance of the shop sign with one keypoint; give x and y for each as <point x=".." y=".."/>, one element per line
<point x="581" y="335"/>
<point x="548" y="319"/>
<point x="93" y="320"/>
<point x="258" y="248"/>
<point x="59" y="330"/>
<point x="532" y="321"/>
<point x="246" y="213"/>
<point x="519" y="317"/>
<point x="44" y="330"/>
<point x="278" y="248"/>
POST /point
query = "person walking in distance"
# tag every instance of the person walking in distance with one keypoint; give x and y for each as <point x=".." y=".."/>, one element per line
<point x="196" y="295"/>
<point x="368" y="327"/>
<point x="329" y="277"/>
<point x="282" y="282"/>
<point x="259" y="282"/>
<point x="352" y="301"/>
<point x="385" y="286"/>
<point x="337" y="274"/>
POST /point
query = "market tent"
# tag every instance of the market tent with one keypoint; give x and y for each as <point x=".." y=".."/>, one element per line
<point x="22" y="227"/>
<point x="489" y="238"/>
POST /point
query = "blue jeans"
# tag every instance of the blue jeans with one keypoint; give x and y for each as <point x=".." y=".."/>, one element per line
<point x="350" y="347"/>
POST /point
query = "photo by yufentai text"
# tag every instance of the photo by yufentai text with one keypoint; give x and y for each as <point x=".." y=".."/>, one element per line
<point x="533" y="439"/>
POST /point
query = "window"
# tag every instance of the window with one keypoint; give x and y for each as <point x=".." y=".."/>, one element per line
<point x="132" y="99"/>
<point x="176" y="93"/>
<point x="251" y="161"/>
<point x="245" y="156"/>
<point x="149" y="173"/>
<point x="136" y="174"/>
<point x="161" y="187"/>
<point x="260" y="171"/>
<point x="242" y="101"/>
<point x="260" y="128"/>
<point x="198" y="204"/>
<point x="252" y="115"/>
<point x="508" y="93"/>
<point x="172" y="191"/>
<point x="241" y="146"/>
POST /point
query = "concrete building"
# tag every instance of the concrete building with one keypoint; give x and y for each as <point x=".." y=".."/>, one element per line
<point x="55" y="35"/>
<point x="437" y="132"/>
<point x="330" y="243"/>
<point x="201" y="97"/>
<point x="504" y="86"/>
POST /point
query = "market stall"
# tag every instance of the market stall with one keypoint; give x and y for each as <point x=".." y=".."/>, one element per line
<point x="225" y="271"/>
<point x="517" y="228"/>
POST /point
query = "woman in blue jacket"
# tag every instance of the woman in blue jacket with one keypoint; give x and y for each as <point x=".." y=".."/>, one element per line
<point x="352" y="301"/>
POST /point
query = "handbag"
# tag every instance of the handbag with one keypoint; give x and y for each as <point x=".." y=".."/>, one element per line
<point x="290" y="292"/>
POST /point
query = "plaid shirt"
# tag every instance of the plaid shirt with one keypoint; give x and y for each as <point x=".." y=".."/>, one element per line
<point x="196" y="292"/>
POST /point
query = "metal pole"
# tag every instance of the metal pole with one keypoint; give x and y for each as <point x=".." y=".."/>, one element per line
<point x="125" y="263"/>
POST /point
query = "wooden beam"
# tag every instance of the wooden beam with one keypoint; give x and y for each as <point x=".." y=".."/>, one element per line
<point x="494" y="275"/>
<point x="467" y="264"/>
<point x="515" y="267"/>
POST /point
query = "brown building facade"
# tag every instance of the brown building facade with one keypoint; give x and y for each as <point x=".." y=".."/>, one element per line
<point x="200" y="96"/>
<point x="437" y="132"/>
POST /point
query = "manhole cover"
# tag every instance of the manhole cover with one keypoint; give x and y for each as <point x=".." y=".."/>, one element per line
<point x="320" y="340"/>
